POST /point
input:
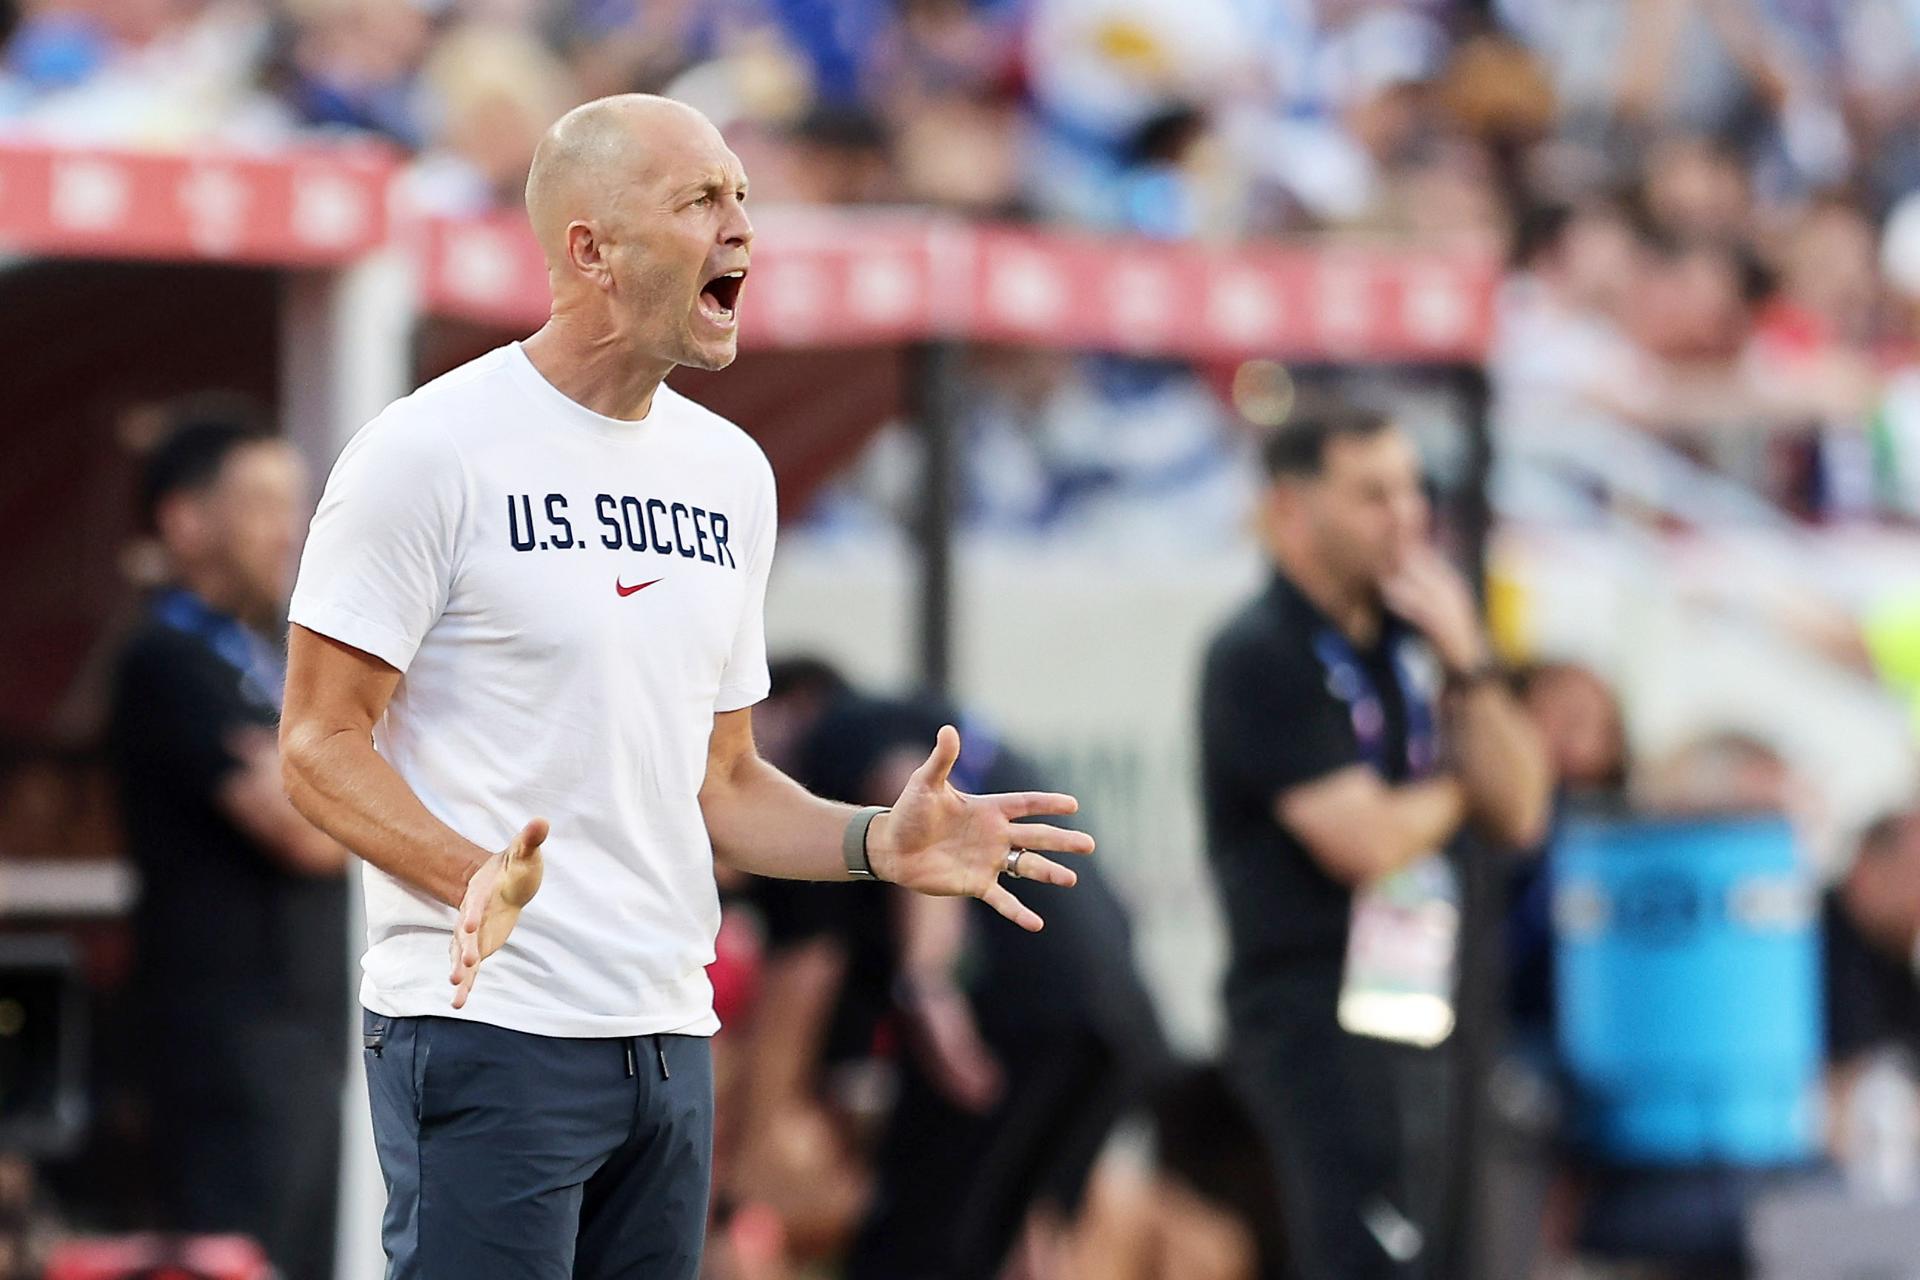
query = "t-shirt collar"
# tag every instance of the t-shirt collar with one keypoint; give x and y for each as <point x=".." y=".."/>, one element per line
<point x="565" y="407"/>
<point x="1287" y="595"/>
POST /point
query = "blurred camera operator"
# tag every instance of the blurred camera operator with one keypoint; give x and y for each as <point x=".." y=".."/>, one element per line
<point x="241" y="925"/>
<point x="1353" y="723"/>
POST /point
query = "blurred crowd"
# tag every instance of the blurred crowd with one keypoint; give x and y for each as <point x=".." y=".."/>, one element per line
<point x="1703" y="202"/>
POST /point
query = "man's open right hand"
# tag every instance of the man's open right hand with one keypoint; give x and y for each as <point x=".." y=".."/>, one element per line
<point x="504" y="883"/>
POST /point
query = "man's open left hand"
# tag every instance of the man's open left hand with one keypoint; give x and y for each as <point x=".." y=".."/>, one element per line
<point x="942" y="841"/>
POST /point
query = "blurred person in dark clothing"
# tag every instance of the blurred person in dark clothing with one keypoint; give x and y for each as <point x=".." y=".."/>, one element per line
<point x="1871" y="919"/>
<point x="1582" y="730"/>
<point x="1353" y="724"/>
<point x="1007" y="1086"/>
<point x="1580" y="726"/>
<point x="1870" y="935"/>
<point x="241" y="924"/>
<point x="1201" y="1210"/>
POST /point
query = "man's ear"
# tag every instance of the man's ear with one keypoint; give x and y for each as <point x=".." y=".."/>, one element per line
<point x="586" y="251"/>
<point x="1281" y="500"/>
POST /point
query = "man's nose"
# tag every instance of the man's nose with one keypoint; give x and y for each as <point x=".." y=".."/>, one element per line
<point x="738" y="228"/>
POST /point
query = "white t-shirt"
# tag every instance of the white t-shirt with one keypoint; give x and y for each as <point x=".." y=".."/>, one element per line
<point x="570" y="598"/>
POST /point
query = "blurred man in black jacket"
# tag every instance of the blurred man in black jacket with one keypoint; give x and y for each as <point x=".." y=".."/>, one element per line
<point x="241" y="923"/>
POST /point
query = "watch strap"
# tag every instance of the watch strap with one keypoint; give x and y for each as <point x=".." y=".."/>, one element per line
<point x="853" y="842"/>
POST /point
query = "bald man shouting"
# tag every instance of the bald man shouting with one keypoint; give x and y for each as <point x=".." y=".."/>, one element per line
<point x="527" y="638"/>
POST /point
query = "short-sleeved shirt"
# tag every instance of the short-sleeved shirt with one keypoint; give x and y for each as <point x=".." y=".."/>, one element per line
<point x="1270" y="720"/>
<point x="222" y="930"/>
<point x="570" y="599"/>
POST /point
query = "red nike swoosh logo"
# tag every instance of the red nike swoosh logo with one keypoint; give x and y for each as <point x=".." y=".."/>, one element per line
<point x="627" y="591"/>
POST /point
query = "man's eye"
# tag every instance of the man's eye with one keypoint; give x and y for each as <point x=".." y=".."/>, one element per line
<point x="703" y="200"/>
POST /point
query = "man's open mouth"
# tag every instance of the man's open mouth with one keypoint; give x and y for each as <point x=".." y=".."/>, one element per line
<point x="719" y="294"/>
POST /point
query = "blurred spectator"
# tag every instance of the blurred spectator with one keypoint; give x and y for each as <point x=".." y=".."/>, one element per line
<point x="1692" y="309"/>
<point x="1498" y="91"/>
<point x="1447" y="197"/>
<point x="962" y="153"/>
<point x="1830" y="295"/>
<point x="493" y="91"/>
<point x="1694" y="189"/>
<point x="1872" y="925"/>
<point x="351" y="64"/>
<point x="241" y="925"/>
<point x="1579" y="721"/>
<point x="839" y="155"/>
<point x="1561" y="350"/>
<point x="1870" y="921"/>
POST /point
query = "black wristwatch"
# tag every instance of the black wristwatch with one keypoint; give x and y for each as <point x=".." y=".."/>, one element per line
<point x="1480" y="673"/>
<point x="853" y="843"/>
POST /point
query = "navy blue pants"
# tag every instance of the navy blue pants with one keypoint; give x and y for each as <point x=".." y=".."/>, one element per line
<point x="509" y="1154"/>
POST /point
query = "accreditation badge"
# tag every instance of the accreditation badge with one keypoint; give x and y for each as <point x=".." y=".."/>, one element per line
<point x="1403" y="943"/>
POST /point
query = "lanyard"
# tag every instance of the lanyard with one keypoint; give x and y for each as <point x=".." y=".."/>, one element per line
<point x="260" y="665"/>
<point x="1347" y="680"/>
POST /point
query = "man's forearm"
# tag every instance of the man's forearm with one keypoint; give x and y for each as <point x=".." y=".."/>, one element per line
<point x="1360" y="829"/>
<point x="340" y="784"/>
<point x="932" y="932"/>
<point x="1503" y="765"/>
<point x="763" y="822"/>
<point x="1418" y="819"/>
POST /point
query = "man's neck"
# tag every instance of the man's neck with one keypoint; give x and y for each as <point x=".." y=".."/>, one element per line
<point x="1354" y="609"/>
<point x="216" y="591"/>
<point x="596" y="371"/>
